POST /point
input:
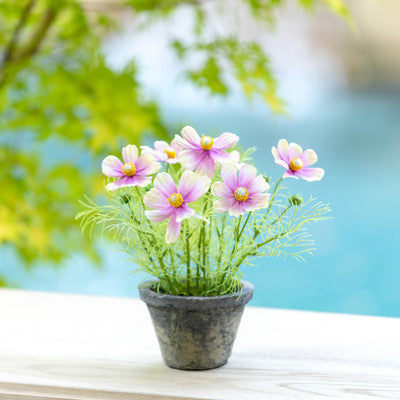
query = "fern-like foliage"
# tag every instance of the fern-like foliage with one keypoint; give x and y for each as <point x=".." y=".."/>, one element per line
<point x="210" y="256"/>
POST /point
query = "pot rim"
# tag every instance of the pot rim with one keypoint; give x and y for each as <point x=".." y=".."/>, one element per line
<point x="239" y="298"/>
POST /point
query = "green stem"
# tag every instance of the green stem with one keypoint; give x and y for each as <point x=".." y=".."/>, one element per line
<point x="236" y="237"/>
<point x="151" y="243"/>
<point x="188" y="272"/>
<point x="278" y="236"/>
<point x="244" y="225"/>
<point x="209" y="240"/>
<point x="199" y="252"/>
<point x="258" y="245"/>
<point x="140" y="236"/>
<point x="273" y="194"/>
<point x="257" y="232"/>
<point x="166" y="275"/>
<point x="140" y="195"/>
<point x="237" y="229"/>
<point x="197" y="276"/>
<point x="171" y="255"/>
<point x="221" y="240"/>
<point x="204" y="255"/>
<point x="202" y="240"/>
<point x="281" y="215"/>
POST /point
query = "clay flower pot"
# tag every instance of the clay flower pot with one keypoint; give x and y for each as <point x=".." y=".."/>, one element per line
<point x="195" y="333"/>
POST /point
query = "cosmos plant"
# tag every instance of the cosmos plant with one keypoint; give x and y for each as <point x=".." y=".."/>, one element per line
<point x="192" y="213"/>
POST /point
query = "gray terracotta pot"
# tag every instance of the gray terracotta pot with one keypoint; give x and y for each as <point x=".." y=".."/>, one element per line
<point x="195" y="333"/>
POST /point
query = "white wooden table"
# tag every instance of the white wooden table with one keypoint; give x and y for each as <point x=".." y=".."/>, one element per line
<point x="55" y="346"/>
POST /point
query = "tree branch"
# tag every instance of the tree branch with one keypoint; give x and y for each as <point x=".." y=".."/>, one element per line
<point x="37" y="37"/>
<point x="11" y="55"/>
<point x="8" y="53"/>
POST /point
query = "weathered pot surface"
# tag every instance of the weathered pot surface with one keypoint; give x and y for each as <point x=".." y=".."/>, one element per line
<point x="195" y="333"/>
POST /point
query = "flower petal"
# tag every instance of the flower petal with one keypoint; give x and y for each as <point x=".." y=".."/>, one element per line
<point x="246" y="174"/>
<point x="124" y="181"/>
<point x="206" y="166"/>
<point x="159" y="156"/>
<point x="229" y="177"/>
<point x="221" y="156"/>
<point x="257" y="185"/>
<point x="155" y="199"/>
<point x="219" y="189"/>
<point x="173" y="230"/>
<point x="201" y="217"/>
<point x="191" y="136"/>
<point x="175" y="145"/>
<point x="275" y="153"/>
<point x="281" y="163"/>
<point x="238" y="208"/>
<point x="257" y="201"/>
<point x="143" y="161"/>
<point x="190" y="159"/>
<point x="160" y="145"/>
<point x="183" y="144"/>
<point x="278" y="159"/>
<point x="290" y="174"/>
<point x="138" y="180"/>
<point x="146" y="149"/>
<point x="183" y="212"/>
<point x="235" y="156"/>
<point x="130" y="153"/>
<point x="187" y="182"/>
<point x="225" y="141"/>
<point x="112" y="166"/>
<point x="159" y="215"/>
<point x="164" y="183"/>
<point x="295" y="150"/>
<point x="283" y="151"/>
<point x="192" y="186"/>
<point x="224" y="204"/>
<point x="311" y="174"/>
<point x="309" y="157"/>
<point x="172" y="160"/>
<point x="146" y="165"/>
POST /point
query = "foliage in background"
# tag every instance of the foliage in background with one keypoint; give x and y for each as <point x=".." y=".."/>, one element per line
<point x="62" y="106"/>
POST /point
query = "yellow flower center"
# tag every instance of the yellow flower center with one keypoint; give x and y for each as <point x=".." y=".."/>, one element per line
<point x="241" y="194"/>
<point x="171" y="153"/>
<point x="206" y="142"/>
<point x="129" y="169"/>
<point x="296" y="164"/>
<point x="175" y="200"/>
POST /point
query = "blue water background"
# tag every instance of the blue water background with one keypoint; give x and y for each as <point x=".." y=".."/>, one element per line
<point x="355" y="268"/>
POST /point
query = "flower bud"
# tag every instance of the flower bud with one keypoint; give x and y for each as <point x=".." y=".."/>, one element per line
<point x="267" y="178"/>
<point x="295" y="200"/>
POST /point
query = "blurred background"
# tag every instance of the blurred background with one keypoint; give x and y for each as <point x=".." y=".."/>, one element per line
<point x="79" y="79"/>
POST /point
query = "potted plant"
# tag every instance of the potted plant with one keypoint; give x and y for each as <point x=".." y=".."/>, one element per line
<point x="191" y="213"/>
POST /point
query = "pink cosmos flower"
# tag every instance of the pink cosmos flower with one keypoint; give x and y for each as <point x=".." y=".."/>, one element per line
<point x="201" y="154"/>
<point x="297" y="162"/>
<point x="164" y="152"/>
<point x="240" y="190"/>
<point x="167" y="200"/>
<point x="134" y="171"/>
